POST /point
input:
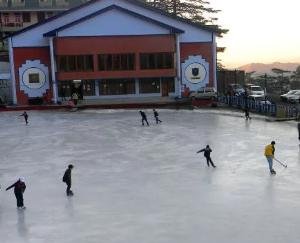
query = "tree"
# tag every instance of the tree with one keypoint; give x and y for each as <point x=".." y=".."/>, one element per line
<point x="196" y="11"/>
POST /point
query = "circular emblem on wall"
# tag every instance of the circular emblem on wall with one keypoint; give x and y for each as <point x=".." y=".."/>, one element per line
<point x="34" y="78"/>
<point x="195" y="73"/>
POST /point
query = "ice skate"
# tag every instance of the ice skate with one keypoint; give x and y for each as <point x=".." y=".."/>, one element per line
<point x="273" y="172"/>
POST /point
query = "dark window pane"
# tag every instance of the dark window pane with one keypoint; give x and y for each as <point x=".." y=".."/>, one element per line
<point x="149" y="85"/>
<point x="117" y="87"/>
<point x="62" y="63"/>
<point x="89" y="87"/>
<point x="79" y="63"/>
<point x="71" y="63"/>
<point x="101" y="62"/>
<point x="26" y="17"/>
<point x="89" y="63"/>
<point x="64" y="89"/>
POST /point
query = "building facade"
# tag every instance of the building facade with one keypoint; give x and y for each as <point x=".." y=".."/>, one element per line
<point x="111" y="49"/>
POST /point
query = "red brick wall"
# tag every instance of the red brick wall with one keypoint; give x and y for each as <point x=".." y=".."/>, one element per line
<point x="203" y="49"/>
<point x="118" y="45"/>
<point x="21" y="55"/>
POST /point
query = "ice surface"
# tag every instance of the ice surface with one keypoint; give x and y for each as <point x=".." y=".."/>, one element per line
<point x="137" y="184"/>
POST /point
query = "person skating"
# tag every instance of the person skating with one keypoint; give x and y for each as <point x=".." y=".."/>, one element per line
<point x="299" y="131"/>
<point x="67" y="179"/>
<point x="207" y="150"/>
<point x="144" y="118"/>
<point x="19" y="188"/>
<point x="155" y="113"/>
<point x="25" y="116"/>
<point x="269" y="153"/>
<point x="247" y="115"/>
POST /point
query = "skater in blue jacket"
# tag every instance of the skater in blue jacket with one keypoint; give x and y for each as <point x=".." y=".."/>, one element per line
<point x="207" y="150"/>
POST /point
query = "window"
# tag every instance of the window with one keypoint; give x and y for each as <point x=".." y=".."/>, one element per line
<point x="116" y="62"/>
<point x="162" y="60"/>
<point x="117" y="87"/>
<point x="79" y="63"/>
<point x="89" y="87"/>
<point x="34" y="78"/>
<point x="149" y="85"/>
<point x="26" y="17"/>
<point x="64" y="89"/>
<point x="18" y="18"/>
<point x="6" y="18"/>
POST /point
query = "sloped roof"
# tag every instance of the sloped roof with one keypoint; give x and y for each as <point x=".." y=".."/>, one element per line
<point x="135" y="2"/>
<point x="171" y="28"/>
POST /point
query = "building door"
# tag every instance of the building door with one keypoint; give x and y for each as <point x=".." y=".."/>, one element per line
<point x="164" y="88"/>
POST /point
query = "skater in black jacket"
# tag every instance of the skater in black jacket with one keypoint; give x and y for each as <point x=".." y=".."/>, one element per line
<point x="144" y="118"/>
<point x="19" y="188"/>
<point x="67" y="179"/>
<point x="155" y="113"/>
<point x="207" y="150"/>
<point x="25" y="116"/>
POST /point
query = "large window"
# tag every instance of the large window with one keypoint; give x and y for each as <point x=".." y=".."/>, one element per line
<point x="149" y="85"/>
<point x="88" y="87"/>
<point x="79" y="63"/>
<point x="161" y="60"/>
<point x="117" y="87"/>
<point x="116" y="62"/>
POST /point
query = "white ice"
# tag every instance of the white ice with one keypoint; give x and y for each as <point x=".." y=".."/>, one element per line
<point x="136" y="184"/>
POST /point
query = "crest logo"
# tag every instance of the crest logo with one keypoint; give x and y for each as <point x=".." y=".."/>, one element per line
<point x="195" y="71"/>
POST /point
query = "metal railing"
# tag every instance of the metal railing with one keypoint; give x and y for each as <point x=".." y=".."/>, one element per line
<point x="261" y="106"/>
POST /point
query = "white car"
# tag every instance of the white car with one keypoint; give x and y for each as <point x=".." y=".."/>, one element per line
<point x="204" y="93"/>
<point x="286" y="96"/>
<point x="294" y="98"/>
<point x="256" y="90"/>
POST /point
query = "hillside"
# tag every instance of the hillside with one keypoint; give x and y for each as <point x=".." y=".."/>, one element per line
<point x="261" y="68"/>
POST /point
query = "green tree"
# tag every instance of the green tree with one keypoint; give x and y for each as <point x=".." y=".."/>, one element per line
<point x="197" y="11"/>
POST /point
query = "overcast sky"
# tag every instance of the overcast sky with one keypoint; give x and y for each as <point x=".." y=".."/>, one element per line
<point x="259" y="31"/>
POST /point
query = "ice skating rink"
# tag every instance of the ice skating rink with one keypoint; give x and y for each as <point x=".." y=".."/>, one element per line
<point x="135" y="184"/>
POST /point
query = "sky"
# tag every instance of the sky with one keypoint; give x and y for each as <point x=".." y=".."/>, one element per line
<point x="260" y="31"/>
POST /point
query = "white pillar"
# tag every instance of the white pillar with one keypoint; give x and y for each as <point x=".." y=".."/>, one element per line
<point x="53" y="69"/>
<point x="214" y="69"/>
<point x="12" y="70"/>
<point x="178" y="67"/>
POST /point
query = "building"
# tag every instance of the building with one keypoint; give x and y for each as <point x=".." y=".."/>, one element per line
<point x="111" y="49"/>
<point x="19" y="14"/>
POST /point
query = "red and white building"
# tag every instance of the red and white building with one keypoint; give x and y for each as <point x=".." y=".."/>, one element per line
<point x="111" y="49"/>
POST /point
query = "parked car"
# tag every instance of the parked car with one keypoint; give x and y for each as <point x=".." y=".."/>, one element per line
<point x="235" y="89"/>
<point x="285" y="96"/>
<point x="294" y="98"/>
<point x="255" y="90"/>
<point x="261" y="100"/>
<point x="204" y="93"/>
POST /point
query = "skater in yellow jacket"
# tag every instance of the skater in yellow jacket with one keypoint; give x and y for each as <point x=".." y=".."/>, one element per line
<point x="269" y="153"/>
